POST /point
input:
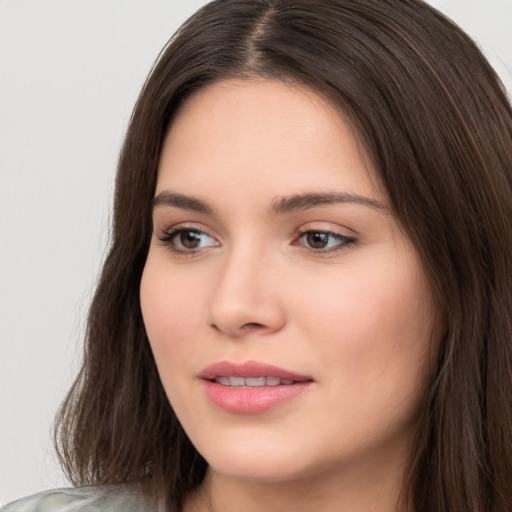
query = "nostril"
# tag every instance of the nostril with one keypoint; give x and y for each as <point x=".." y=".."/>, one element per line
<point x="252" y="325"/>
<point x="244" y="328"/>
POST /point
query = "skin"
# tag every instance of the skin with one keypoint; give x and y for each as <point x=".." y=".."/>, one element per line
<point x="356" y="315"/>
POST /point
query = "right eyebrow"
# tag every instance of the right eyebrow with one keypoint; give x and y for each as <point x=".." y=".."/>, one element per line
<point x="182" y="201"/>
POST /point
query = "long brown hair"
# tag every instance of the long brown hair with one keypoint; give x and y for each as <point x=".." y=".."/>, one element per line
<point x="436" y="124"/>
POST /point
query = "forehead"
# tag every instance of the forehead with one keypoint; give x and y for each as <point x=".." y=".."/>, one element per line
<point x="255" y="132"/>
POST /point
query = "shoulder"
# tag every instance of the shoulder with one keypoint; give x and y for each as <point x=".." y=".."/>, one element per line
<point x="105" y="498"/>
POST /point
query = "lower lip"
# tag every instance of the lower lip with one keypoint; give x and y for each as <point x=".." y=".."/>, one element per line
<point x="247" y="400"/>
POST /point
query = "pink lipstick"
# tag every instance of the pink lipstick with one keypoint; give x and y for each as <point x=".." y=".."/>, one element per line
<point x="251" y="387"/>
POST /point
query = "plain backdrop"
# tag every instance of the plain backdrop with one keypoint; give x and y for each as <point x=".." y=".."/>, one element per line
<point x="70" y="72"/>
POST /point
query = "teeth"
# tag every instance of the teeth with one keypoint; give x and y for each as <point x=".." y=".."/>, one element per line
<point x="255" y="381"/>
<point x="252" y="382"/>
<point x="273" y="381"/>
<point x="236" y="381"/>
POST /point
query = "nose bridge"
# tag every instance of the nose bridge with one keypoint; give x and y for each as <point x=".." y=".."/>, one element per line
<point x="244" y="299"/>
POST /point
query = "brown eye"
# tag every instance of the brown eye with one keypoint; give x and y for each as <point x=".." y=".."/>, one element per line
<point x="317" y="240"/>
<point x="324" y="241"/>
<point x="190" y="239"/>
<point x="183" y="240"/>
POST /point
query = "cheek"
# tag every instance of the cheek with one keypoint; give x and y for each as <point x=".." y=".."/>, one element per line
<point x="367" y="304"/>
<point x="171" y="305"/>
<point x="372" y="332"/>
<point x="171" y="311"/>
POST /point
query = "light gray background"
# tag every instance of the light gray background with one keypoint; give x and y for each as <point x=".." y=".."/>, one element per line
<point x="70" y="71"/>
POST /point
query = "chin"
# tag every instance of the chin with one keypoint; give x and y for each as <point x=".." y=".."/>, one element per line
<point x="257" y="457"/>
<point x="258" y="468"/>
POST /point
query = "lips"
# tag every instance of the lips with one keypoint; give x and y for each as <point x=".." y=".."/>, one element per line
<point x="251" y="387"/>
<point x="250" y="369"/>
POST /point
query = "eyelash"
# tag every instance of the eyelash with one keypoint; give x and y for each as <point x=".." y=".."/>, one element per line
<point x="169" y="237"/>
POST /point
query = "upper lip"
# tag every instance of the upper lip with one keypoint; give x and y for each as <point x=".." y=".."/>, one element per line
<point x="249" y="369"/>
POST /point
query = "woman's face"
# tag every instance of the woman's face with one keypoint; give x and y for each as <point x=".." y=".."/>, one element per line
<point x="289" y="315"/>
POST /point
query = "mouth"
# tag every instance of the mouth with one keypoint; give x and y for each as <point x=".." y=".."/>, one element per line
<point x="251" y="387"/>
<point x="253" y="382"/>
<point x="251" y="374"/>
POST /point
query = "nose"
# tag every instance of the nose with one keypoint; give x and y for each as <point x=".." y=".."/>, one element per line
<point x="245" y="300"/>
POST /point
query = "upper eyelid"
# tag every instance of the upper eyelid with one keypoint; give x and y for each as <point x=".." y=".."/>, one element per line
<point x="180" y="228"/>
<point x="326" y="232"/>
<point x="327" y="227"/>
<point x="192" y="226"/>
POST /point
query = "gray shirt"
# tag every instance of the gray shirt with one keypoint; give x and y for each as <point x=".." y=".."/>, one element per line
<point x="104" y="498"/>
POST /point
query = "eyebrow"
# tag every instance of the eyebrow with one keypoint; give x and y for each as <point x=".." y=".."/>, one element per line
<point x="281" y="205"/>
<point x="304" y="201"/>
<point x="182" y="201"/>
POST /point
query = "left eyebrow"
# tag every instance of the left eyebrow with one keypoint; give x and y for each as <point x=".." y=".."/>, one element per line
<point x="289" y="204"/>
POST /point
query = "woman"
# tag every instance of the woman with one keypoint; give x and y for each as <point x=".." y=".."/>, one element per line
<point x="307" y="301"/>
